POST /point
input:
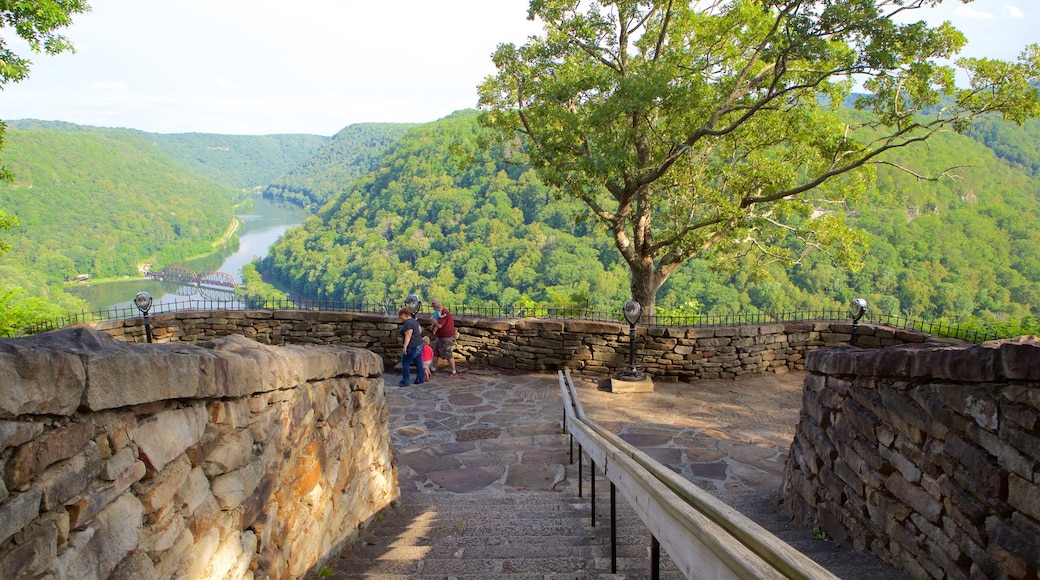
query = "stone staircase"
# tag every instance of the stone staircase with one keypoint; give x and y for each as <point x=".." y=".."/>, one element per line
<point x="519" y="535"/>
<point x="489" y="490"/>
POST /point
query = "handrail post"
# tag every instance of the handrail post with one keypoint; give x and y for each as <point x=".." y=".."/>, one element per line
<point x="613" y="528"/>
<point x="579" y="470"/>
<point x="592" y="486"/>
<point x="655" y="558"/>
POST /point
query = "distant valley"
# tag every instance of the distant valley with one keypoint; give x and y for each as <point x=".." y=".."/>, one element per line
<point x="422" y="208"/>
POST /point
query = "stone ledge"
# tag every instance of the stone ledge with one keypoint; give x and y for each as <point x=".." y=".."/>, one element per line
<point x="645" y="385"/>
<point x="204" y="442"/>
<point x="923" y="438"/>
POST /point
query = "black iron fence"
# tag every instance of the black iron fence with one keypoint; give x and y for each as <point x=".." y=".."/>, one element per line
<point x="389" y="306"/>
<point x="941" y="328"/>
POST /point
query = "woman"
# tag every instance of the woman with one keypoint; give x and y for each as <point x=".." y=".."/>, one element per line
<point x="411" y="348"/>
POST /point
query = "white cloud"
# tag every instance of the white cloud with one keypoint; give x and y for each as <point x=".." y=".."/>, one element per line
<point x="108" y="86"/>
<point x="225" y="83"/>
<point x="1014" y="11"/>
<point x="969" y="12"/>
<point x="255" y="67"/>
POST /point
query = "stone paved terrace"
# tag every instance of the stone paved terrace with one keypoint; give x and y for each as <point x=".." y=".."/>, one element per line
<point x="477" y="453"/>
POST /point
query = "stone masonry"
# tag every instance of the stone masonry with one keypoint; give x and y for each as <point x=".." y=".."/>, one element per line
<point x="223" y="459"/>
<point x="588" y="347"/>
<point x="927" y="455"/>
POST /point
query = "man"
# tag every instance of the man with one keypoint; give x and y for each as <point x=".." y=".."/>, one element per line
<point x="411" y="348"/>
<point x="444" y="332"/>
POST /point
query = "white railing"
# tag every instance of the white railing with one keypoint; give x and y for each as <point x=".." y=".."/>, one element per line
<point x="704" y="537"/>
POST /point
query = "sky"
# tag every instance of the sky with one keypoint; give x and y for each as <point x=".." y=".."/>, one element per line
<point x="257" y="67"/>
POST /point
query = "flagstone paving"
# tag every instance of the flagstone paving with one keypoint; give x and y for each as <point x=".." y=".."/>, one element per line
<point x="491" y="440"/>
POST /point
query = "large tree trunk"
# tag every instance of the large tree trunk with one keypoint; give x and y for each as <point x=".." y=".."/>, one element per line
<point x="645" y="283"/>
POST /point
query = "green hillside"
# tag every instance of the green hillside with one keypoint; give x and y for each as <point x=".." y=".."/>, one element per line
<point x="351" y="153"/>
<point x="242" y="161"/>
<point x="478" y="232"/>
<point x="1018" y="145"/>
<point x="481" y="232"/>
<point x="101" y="203"/>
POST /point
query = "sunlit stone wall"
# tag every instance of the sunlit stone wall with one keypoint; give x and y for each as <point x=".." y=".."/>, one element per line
<point x="534" y="344"/>
<point x="223" y="459"/>
<point x="927" y="455"/>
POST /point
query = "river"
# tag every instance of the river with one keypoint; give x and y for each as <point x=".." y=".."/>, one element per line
<point x="261" y="228"/>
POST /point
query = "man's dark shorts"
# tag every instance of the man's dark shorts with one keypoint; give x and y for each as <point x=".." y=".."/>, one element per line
<point x="442" y="347"/>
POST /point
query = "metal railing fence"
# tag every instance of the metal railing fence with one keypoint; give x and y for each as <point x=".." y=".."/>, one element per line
<point x="388" y="306"/>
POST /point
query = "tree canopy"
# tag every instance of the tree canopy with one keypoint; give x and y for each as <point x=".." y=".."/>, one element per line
<point x="104" y="202"/>
<point x="712" y="129"/>
<point x="488" y="233"/>
<point x="39" y="24"/>
<point x="477" y="233"/>
<point x="351" y="153"/>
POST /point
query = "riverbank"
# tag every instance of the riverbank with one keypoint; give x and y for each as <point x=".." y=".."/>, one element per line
<point x="144" y="267"/>
<point x="259" y="226"/>
<point x="235" y="225"/>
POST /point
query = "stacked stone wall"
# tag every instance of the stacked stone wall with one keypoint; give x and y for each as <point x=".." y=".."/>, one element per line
<point x="225" y="459"/>
<point x="927" y="455"/>
<point x="534" y="344"/>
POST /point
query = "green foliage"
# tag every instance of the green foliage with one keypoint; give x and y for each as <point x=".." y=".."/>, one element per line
<point x="6" y="222"/>
<point x="40" y="24"/>
<point x="478" y="234"/>
<point x="5" y="174"/>
<point x="712" y="130"/>
<point x="1018" y="145"/>
<point x="958" y="246"/>
<point x="486" y="232"/>
<point x="818" y="533"/>
<point x="1003" y="326"/>
<point x="254" y="290"/>
<point x="351" y="153"/>
<point x="241" y="161"/>
<point x="19" y="310"/>
<point x="103" y="203"/>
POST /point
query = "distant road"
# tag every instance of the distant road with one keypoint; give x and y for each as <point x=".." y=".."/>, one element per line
<point x="235" y="224"/>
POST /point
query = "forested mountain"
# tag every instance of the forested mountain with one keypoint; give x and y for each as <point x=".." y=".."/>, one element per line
<point x="405" y="211"/>
<point x="479" y="231"/>
<point x="351" y="153"/>
<point x="101" y="203"/>
<point x="1018" y="145"/>
<point x="242" y="161"/>
<point x="424" y="221"/>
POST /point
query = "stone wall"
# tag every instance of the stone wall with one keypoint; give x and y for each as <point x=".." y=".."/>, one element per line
<point x="225" y="459"/>
<point x="927" y="455"/>
<point x="535" y="344"/>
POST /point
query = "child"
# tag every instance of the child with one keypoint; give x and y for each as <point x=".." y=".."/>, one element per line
<point x="427" y="358"/>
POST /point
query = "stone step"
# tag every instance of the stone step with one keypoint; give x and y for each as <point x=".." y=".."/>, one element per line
<point x="522" y="535"/>
<point x="427" y="567"/>
<point x="518" y="502"/>
<point x="535" y="576"/>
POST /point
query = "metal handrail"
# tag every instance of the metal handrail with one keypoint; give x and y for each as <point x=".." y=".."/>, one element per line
<point x="696" y="529"/>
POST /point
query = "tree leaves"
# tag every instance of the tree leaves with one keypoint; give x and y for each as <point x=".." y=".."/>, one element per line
<point x="687" y="127"/>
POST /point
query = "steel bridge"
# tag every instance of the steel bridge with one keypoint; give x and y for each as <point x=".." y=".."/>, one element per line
<point x="187" y="276"/>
